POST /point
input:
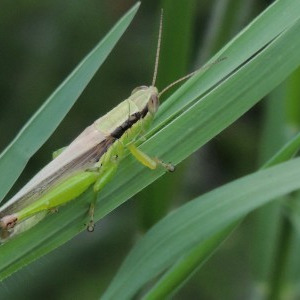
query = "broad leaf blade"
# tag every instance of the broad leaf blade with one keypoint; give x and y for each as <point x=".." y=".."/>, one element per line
<point x="199" y="220"/>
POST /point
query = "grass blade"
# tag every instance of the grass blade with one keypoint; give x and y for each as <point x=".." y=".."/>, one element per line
<point x="199" y="220"/>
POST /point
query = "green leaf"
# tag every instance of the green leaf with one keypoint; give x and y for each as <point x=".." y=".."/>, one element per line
<point x="43" y="123"/>
<point x="249" y="41"/>
<point x="197" y="221"/>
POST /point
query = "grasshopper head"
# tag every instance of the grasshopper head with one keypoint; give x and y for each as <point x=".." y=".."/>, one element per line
<point x="146" y="98"/>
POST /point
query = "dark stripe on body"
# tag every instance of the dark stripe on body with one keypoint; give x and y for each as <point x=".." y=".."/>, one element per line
<point x="119" y="131"/>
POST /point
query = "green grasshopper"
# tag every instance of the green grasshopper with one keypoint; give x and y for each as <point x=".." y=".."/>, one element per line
<point x="91" y="159"/>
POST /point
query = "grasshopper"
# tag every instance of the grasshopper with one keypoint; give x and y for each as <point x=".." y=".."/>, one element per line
<point x="91" y="159"/>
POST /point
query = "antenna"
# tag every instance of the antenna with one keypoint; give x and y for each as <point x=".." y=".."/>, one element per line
<point x="190" y="75"/>
<point x="158" y="48"/>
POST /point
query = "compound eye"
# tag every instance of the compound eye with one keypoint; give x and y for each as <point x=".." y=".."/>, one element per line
<point x="153" y="103"/>
<point x="139" y="88"/>
<point x="154" y="99"/>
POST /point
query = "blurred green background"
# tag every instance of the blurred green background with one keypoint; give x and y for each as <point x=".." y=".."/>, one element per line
<point x="40" y="44"/>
